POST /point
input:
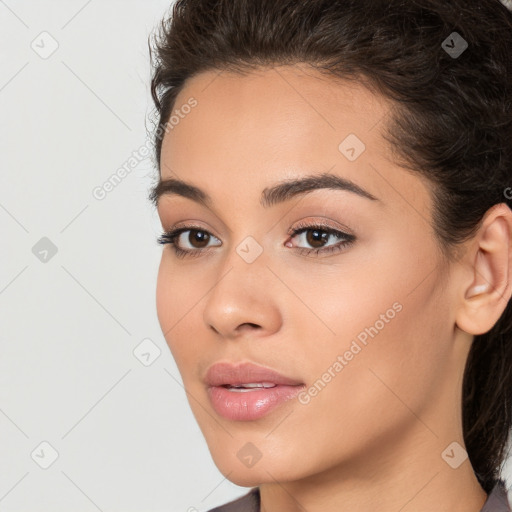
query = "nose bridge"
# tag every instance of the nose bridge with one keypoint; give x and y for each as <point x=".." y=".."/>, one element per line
<point x="245" y="264"/>
<point x="241" y="293"/>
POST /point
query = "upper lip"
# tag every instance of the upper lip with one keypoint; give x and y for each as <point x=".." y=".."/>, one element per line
<point x="220" y="374"/>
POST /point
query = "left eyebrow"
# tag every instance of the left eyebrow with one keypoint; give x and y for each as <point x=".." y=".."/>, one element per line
<point x="270" y="196"/>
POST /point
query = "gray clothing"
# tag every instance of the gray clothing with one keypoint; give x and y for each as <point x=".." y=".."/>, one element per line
<point x="496" y="501"/>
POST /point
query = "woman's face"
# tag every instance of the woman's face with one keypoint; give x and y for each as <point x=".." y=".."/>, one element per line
<point x="363" y="322"/>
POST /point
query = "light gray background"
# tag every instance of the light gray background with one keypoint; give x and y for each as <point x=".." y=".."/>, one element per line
<point x="123" y="430"/>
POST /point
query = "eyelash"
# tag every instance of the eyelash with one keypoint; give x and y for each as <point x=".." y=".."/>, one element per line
<point x="170" y="237"/>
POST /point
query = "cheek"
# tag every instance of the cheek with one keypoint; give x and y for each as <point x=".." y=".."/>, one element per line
<point x="395" y="348"/>
<point x="389" y="366"/>
<point x="165" y="298"/>
<point x="384" y="316"/>
<point x="177" y="298"/>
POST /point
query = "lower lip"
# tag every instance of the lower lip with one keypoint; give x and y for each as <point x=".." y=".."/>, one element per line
<point x="250" y="405"/>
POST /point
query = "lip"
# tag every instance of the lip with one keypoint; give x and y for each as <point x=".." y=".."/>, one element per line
<point x="251" y="404"/>
<point x="220" y="374"/>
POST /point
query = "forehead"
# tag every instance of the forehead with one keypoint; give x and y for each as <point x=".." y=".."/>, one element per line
<point x="288" y="102"/>
<point x="288" y="111"/>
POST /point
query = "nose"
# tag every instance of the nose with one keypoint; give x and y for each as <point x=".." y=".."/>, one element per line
<point x="243" y="300"/>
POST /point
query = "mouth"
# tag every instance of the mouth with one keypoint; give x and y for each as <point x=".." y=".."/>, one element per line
<point x="250" y="386"/>
<point x="247" y="392"/>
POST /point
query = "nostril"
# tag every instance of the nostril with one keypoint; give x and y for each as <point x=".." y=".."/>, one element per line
<point x="242" y="326"/>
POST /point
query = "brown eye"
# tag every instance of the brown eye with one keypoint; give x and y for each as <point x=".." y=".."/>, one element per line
<point x="188" y="241"/>
<point x="317" y="237"/>
<point x="198" y="239"/>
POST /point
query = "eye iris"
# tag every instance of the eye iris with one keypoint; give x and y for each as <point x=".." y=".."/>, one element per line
<point x="316" y="236"/>
<point x="199" y="237"/>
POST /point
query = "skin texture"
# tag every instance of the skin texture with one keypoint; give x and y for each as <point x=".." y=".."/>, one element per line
<point x="373" y="438"/>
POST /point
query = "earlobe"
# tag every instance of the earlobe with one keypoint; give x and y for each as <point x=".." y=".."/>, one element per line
<point x="490" y="263"/>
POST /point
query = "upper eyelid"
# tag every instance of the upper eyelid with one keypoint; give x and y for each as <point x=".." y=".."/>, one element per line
<point x="322" y="224"/>
<point x="303" y="224"/>
<point x="302" y="227"/>
<point x="183" y="229"/>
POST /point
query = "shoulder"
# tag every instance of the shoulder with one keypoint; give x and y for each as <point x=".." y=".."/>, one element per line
<point x="249" y="502"/>
<point x="497" y="500"/>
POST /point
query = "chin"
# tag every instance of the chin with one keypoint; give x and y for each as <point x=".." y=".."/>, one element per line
<point x="269" y="468"/>
<point x="245" y="478"/>
<point x="252" y="477"/>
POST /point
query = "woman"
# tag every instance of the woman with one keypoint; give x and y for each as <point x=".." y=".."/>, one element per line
<point x="334" y="187"/>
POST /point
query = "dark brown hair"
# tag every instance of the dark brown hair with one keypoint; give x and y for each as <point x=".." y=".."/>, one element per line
<point x="451" y="122"/>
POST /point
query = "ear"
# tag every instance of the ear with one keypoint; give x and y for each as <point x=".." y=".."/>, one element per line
<point x="486" y="287"/>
